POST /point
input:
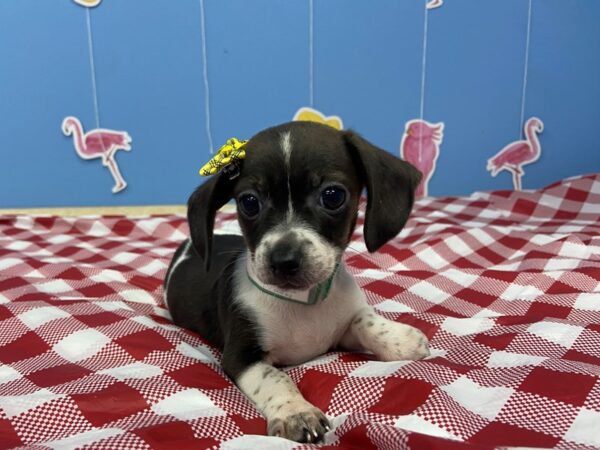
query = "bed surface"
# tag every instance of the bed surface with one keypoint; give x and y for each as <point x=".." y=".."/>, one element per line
<point x="506" y="285"/>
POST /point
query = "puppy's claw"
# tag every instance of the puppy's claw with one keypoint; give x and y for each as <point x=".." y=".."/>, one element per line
<point x="276" y="428"/>
<point x="306" y="426"/>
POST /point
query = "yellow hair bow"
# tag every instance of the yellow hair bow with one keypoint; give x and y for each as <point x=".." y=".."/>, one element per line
<point x="230" y="153"/>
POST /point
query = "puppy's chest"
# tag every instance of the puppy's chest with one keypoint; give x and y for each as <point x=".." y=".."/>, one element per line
<point x="292" y="333"/>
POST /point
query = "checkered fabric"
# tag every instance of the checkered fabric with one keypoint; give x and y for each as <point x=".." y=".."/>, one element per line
<point x="505" y="284"/>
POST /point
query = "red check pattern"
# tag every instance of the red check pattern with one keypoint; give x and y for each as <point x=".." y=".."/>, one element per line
<point x="505" y="284"/>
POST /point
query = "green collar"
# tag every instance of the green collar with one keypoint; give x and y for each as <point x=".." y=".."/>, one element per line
<point x="310" y="296"/>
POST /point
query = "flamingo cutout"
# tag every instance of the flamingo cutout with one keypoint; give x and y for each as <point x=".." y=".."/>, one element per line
<point x="431" y="4"/>
<point x="516" y="154"/>
<point x="421" y="147"/>
<point x="99" y="143"/>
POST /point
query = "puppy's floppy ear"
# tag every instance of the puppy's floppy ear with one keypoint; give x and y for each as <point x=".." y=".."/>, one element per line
<point x="390" y="184"/>
<point x="203" y="205"/>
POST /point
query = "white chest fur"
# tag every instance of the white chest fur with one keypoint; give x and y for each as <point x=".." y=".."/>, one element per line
<point x="293" y="333"/>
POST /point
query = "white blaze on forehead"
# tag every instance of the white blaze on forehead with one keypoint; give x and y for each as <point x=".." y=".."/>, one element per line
<point x="286" y="147"/>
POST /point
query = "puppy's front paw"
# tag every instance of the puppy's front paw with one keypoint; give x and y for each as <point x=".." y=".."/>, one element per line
<point x="307" y="424"/>
<point x="402" y="342"/>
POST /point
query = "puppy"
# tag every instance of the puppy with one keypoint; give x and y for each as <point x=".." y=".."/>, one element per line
<point x="281" y="294"/>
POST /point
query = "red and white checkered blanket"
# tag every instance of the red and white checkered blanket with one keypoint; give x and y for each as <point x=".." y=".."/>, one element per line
<point x="505" y="284"/>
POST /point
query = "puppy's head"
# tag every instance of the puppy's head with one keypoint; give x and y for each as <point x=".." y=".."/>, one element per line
<point x="297" y="198"/>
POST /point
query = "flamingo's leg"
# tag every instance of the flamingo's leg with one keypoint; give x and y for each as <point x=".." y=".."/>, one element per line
<point x="516" y="180"/>
<point x="116" y="174"/>
<point x="422" y="188"/>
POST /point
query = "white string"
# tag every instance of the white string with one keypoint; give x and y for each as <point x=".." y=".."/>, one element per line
<point x="423" y="71"/>
<point x="525" y="72"/>
<point x="92" y="66"/>
<point x="205" y="74"/>
<point x="311" y="60"/>
<point x="424" y="63"/>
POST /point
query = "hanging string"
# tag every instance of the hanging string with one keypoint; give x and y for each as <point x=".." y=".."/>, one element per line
<point x="423" y="72"/>
<point x="525" y="72"/>
<point x="205" y="75"/>
<point x="311" y="59"/>
<point x="424" y="62"/>
<point x="92" y="66"/>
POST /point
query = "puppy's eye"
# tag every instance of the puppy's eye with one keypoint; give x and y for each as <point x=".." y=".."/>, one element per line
<point x="333" y="197"/>
<point x="249" y="204"/>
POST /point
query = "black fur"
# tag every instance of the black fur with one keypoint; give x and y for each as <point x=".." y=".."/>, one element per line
<point x="202" y="207"/>
<point x="391" y="185"/>
<point x="202" y="301"/>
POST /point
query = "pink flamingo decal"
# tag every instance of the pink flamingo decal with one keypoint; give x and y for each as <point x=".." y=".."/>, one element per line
<point x="431" y="4"/>
<point x="421" y="147"/>
<point x="516" y="154"/>
<point x="99" y="143"/>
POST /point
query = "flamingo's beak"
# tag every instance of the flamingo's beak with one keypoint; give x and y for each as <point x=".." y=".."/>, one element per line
<point x="408" y="132"/>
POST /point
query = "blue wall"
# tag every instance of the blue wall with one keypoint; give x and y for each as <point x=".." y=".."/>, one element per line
<point x="367" y="63"/>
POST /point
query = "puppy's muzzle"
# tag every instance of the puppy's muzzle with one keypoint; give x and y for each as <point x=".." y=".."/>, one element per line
<point x="293" y="259"/>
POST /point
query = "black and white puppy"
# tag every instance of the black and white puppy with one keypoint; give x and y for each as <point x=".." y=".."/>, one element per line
<point x="297" y="197"/>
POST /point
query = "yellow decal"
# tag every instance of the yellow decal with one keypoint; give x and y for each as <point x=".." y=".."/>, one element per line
<point x="88" y="3"/>
<point x="312" y="115"/>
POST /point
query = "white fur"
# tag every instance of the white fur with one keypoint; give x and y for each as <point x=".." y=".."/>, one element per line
<point x="388" y="340"/>
<point x="278" y="399"/>
<point x="293" y="333"/>
<point x="182" y="257"/>
<point x="286" y="147"/>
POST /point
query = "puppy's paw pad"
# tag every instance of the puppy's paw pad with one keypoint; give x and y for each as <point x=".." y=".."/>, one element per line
<point x="307" y="426"/>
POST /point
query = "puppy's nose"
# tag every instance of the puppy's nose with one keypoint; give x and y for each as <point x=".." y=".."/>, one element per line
<point x="285" y="260"/>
